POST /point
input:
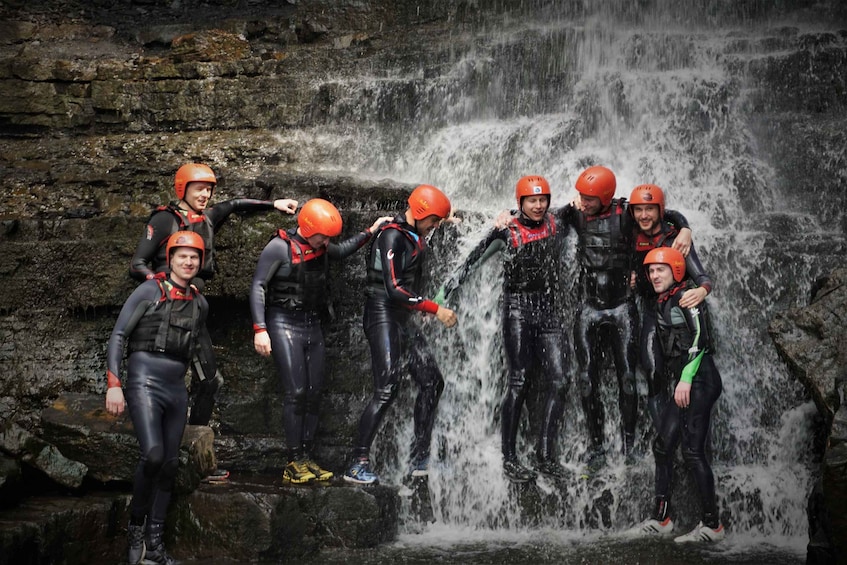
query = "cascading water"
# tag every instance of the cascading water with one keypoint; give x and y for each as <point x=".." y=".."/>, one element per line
<point x="658" y="98"/>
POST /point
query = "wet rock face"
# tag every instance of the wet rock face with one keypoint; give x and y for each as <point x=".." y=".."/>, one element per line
<point x="813" y="343"/>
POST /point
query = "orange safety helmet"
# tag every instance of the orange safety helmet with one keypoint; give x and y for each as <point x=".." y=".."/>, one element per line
<point x="426" y="200"/>
<point x="319" y="216"/>
<point x="599" y="182"/>
<point x="648" y="194"/>
<point x="186" y="239"/>
<point x="531" y="186"/>
<point x="670" y="257"/>
<point x="192" y="172"/>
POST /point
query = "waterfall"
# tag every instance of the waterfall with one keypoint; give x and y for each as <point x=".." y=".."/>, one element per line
<point x="658" y="95"/>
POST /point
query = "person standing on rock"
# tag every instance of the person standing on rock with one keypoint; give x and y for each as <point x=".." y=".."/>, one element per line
<point x="194" y="185"/>
<point x="160" y="324"/>
<point x="532" y="325"/>
<point x="288" y="301"/>
<point x="686" y="339"/>
<point x="394" y="269"/>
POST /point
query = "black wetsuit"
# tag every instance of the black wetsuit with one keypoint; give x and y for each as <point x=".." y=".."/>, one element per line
<point x="395" y="264"/>
<point x="159" y="323"/>
<point x="608" y="314"/>
<point x="686" y="341"/>
<point x="650" y="352"/>
<point x="532" y="324"/>
<point x="150" y="259"/>
<point x="288" y="299"/>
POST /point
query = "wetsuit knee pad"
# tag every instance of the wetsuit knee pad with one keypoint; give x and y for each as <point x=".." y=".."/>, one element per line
<point x="692" y="456"/>
<point x="154" y="460"/>
<point x="660" y="450"/>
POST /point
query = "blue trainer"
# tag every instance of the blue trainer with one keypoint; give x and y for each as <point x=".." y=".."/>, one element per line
<point x="360" y="473"/>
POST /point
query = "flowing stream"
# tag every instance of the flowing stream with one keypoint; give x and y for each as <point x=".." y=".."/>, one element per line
<point x="658" y="95"/>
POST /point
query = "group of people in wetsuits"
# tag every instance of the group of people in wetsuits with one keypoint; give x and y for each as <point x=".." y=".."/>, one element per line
<point x="162" y="325"/>
<point x="628" y="252"/>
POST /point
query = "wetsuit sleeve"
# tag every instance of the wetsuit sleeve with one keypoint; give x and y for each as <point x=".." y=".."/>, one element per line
<point x="337" y="251"/>
<point x="565" y="216"/>
<point x="218" y="213"/>
<point x="493" y="241"/>
<point x="676" y="218"/>
<point x="393" y="249"/>
<point x="156" y="232"/>
<point x="131" y="312"/>
<point x="275" y="255"/>
<point x="696" y="272"/>
<point x="697" y="327"/>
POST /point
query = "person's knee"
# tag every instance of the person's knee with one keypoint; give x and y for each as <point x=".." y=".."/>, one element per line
<point x="168" y="473"/>
<point x="296" y="399"/>
<point x="660" y="450"/>
<point x="385" y="394"/>
<point x="154" y="459"/>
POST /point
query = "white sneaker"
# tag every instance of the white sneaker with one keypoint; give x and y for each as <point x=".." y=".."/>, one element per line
<point x="702" y="533"/>
<point x="651" y="527"/>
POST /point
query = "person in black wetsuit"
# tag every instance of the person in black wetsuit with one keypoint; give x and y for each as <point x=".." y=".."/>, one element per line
<point x="160" y="324"/>
<point x="607" y="315"/>
<point x="647" y="206"/>
<point x="288" y="301"/>
<point x="194" y="185"/>
<point x="532" y="325"/>
<point x="686" y="339"/>
<point x="395" y="266"/>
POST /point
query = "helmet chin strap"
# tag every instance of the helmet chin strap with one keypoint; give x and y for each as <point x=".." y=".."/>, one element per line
<point x="193" y="209"/>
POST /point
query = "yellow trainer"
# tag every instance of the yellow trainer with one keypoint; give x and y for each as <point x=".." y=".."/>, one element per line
<point x="297" y="473"/>
<point x="319" y="473"/>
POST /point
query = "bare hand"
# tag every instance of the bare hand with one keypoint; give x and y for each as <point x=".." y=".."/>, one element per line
<point x="692" y="297"/>
<point x="115" y="403"/>
<point x="682" y="243"/>
<point x="682" y="394"/>
<point x="262" y="343"/>
<point x="502" y="220"/>
<point x="379" y="222"/>
<point x="446" y="316"/>
<point x="286" y="205"/>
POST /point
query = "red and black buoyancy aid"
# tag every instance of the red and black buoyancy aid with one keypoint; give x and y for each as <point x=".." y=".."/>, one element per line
<point x="531" y="259"/>
<point x="305" y="285"/>
<point x="170" y="325"/>
<point x="189" y="220"/>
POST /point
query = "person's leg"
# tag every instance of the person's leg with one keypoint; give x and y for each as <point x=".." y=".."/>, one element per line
<point x="430" y="383"/>
<point x="624" y="346"/>
<point x="705" y="391"/>
<point x="289" y="339"/>
<point x="551" y="350"/>
<point x="586" y="347"/>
